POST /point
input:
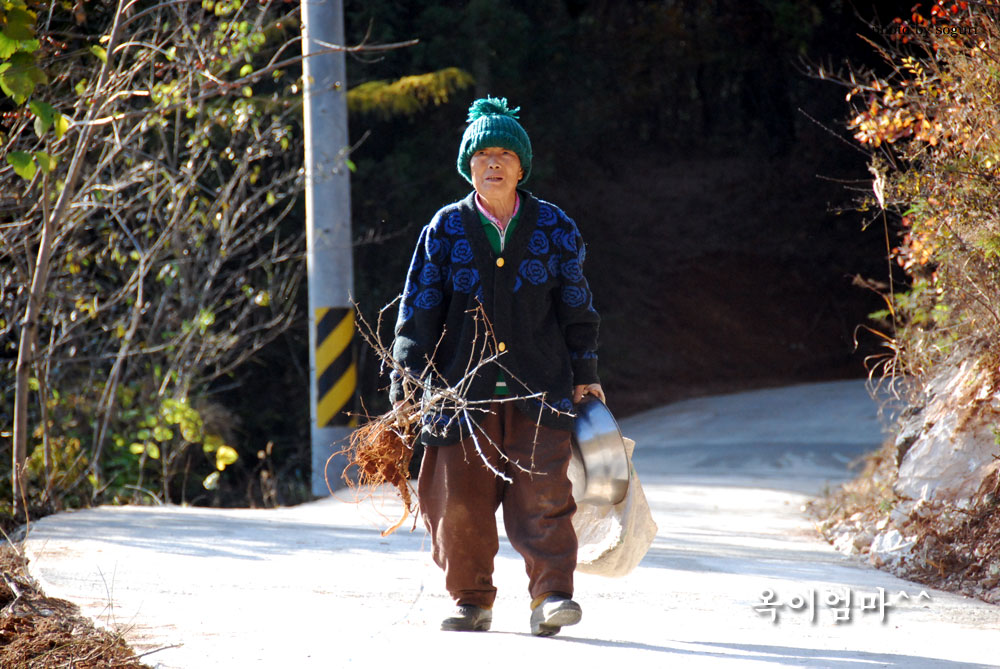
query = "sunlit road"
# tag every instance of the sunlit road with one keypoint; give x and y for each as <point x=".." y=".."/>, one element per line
<point x="316" y="586"/>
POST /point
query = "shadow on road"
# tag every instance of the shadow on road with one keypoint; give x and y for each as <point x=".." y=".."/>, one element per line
<point x="780" y="655"/>
<point x="207" y="535"/>
<point x="832" y="659"/>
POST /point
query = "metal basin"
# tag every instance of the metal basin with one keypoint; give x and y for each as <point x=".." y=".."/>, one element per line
<point x="599" y="448"/>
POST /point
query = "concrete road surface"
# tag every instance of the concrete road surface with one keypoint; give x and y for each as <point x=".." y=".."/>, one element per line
<point x="317" y="586"/>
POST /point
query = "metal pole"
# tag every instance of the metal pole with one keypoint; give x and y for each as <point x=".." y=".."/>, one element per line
<point x="333" y="371"/>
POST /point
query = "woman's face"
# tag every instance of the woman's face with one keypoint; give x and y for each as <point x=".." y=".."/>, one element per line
<point x="495" y="172"/>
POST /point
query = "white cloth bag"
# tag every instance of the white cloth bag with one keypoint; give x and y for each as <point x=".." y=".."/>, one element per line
<point x="613" y="539"/>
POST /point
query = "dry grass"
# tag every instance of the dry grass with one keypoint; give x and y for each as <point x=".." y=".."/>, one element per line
<point x="39" y="632"/>
<point x="870" y="494"/>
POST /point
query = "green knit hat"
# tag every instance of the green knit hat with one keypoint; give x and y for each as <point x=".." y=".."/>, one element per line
<point x="492" y="123"/>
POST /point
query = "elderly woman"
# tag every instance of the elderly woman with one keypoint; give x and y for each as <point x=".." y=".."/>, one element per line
<point x="517" y="260"/>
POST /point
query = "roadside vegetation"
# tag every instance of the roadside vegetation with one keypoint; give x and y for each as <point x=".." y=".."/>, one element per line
<point x="150" y="170"/>
<point x="933" y="126"/>
<point x="152" y="248"/>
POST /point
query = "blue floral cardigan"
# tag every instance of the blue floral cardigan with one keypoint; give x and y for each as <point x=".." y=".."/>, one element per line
<point x="533" y="294"/>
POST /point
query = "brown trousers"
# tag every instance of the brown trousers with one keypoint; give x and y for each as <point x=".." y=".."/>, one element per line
<point x="459" y="497"/>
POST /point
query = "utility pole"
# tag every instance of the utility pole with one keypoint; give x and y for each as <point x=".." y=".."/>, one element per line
<point x="329" y="263"/>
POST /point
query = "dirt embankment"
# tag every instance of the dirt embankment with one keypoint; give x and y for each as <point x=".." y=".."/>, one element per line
<point x="927" y="507"/>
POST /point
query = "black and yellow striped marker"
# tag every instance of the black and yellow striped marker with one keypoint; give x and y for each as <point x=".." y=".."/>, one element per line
<point x="336" y="369"/>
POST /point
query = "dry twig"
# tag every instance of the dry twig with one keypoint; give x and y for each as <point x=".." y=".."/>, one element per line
<point x="380" y="451"/>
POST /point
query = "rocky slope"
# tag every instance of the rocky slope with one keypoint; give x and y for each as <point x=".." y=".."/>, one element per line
<point x="926" y="506"/>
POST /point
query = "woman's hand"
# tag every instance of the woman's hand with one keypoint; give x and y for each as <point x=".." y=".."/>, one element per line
<point x="589" y="389"/>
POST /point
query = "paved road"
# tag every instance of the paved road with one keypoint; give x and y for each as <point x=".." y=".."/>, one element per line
<point x="316" y="586"/>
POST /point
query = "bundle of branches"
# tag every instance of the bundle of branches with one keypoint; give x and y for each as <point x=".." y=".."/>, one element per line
<point x="380" y="451"/>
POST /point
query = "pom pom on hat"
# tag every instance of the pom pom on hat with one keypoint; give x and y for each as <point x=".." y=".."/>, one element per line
<point x="493" y="123"/>
<point x="490" y="106"/>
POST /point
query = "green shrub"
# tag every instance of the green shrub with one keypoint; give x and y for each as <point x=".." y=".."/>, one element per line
<point x="933" y="124"/>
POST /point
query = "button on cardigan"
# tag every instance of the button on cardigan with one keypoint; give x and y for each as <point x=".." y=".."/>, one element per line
<point x="537" y="302"/>
<point x="497" y="234"/>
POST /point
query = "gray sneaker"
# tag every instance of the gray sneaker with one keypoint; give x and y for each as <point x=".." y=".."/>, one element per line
<point x="468" y="618"/>
<point x="553" y="614"/>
